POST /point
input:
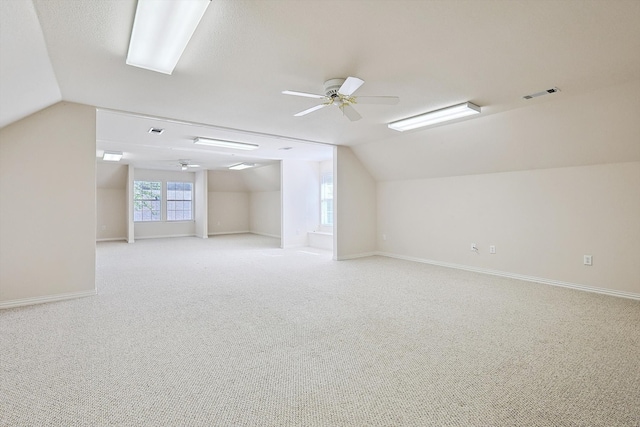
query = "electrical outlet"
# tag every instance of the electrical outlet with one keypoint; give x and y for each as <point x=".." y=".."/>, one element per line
<point x="384" y="237"/>
<point x="588" y="260"/>
<point x="492" y="249"/>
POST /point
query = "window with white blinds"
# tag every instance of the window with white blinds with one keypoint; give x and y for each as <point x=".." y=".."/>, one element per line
<point x="179" y="201"/>
<point x="326" y="199"/>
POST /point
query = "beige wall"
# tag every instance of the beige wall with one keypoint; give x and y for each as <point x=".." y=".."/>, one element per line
<point x="48" y="205"/>
<point x="264" y="213"/>
<point x="263" y="178"/>
<point x="228" y="212"/>
<point x="354" y="205"/>
<point x="542" y="222"/>
<point x="245" y="201"/>
<point x="265" y="202"/>
<point x="111" y="205"/>
<point x="111" y="202"/>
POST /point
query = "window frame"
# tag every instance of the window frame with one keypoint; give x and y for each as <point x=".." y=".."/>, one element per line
<point x="326" y="177"/>
<point x="182" y="200"/>
<point x="137" y="201"/>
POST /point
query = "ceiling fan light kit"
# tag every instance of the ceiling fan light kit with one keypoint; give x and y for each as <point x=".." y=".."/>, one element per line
<point x="339" y="92"/>
<point x="225" y="144"/>
<point x="433" y="117"/>
<point x="186" y="164"/>
<point x="161" y="31"/>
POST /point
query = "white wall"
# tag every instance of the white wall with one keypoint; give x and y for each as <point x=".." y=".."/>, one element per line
<point x="300" y="201"/>
<point x="542" y="222"/>
<point x="48" y="205"/>
<point x="129" y="195"/>
<point x="164" y="228"/>
<point x="201" y="208"/>
<point x="354" y="206"/>
<point x="111" y="202"/>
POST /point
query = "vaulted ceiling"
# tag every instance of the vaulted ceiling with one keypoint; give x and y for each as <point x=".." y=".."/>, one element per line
<point x="429" y="53"/>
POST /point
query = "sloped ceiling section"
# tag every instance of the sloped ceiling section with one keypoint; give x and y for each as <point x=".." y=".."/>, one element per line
<point x="27" y="81"/>
<point x="596" y="127"/>
<point x="264" y="178"/>
<point x="430" y="54"/>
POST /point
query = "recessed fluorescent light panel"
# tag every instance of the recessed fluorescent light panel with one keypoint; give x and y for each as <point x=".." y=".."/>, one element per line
<point x="437" y="116"/>
<point x="112" y="156"/>
<point x="161" y="31"/>
<point x="225" y="144"/>
<point x="241" y="166"/>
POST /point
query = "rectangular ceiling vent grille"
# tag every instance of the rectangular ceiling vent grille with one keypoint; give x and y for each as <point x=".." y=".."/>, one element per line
<point x="544" y="92"/>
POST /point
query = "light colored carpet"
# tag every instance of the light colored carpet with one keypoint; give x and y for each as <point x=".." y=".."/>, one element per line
<point x="234" y="331"/>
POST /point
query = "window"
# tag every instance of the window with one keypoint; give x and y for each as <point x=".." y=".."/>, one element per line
<point x="326" y="199"/>
<point x="179" y="201"/>
<point x="146" y="200"/>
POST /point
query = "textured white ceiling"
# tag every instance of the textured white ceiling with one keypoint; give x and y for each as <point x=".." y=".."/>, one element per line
<point x="27" y="81"/>
<point x="429" y="53"/>
<point x="129" y="133"/>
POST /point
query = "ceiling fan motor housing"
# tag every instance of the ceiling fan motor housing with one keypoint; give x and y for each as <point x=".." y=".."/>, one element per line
<point x="331" y="87"/>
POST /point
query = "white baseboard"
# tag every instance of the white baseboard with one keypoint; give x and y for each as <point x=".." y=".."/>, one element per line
<point x="612" y="292"/>
<point x="164" y="237"/>
<point x="112" y="239"/>
<point x="355" y="256"/>
<point x="265" y="234"/>
<point x="47" y="298"/>
<point x="222" y="233"/>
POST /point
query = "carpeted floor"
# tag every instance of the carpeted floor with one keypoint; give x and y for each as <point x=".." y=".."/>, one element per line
<point x="234" y="331"/>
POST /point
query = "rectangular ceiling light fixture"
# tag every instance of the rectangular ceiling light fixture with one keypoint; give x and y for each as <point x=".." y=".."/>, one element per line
<point x="241" y="166"/>
<point x="541" y="93"/>
<point x="112" y="156"/>
<point x="225" y="144"/>
<point x="161" y="31"/>
<point x="437" y="116"/>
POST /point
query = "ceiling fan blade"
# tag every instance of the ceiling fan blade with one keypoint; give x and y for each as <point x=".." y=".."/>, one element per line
<point x="305" y="94"/>
<point x="310" y="110"/>
<point x="350" y="85"/>
<point x="350" y="112"/>
<point x="388" y="100"/>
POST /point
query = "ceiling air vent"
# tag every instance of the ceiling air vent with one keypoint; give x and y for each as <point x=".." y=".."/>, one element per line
<point x="544" y="92"/>
<point x="156" y="131"/>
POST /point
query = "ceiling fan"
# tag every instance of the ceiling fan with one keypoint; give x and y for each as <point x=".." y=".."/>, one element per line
<point x="340" y="92"/>
<point x="185" y="164"/>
